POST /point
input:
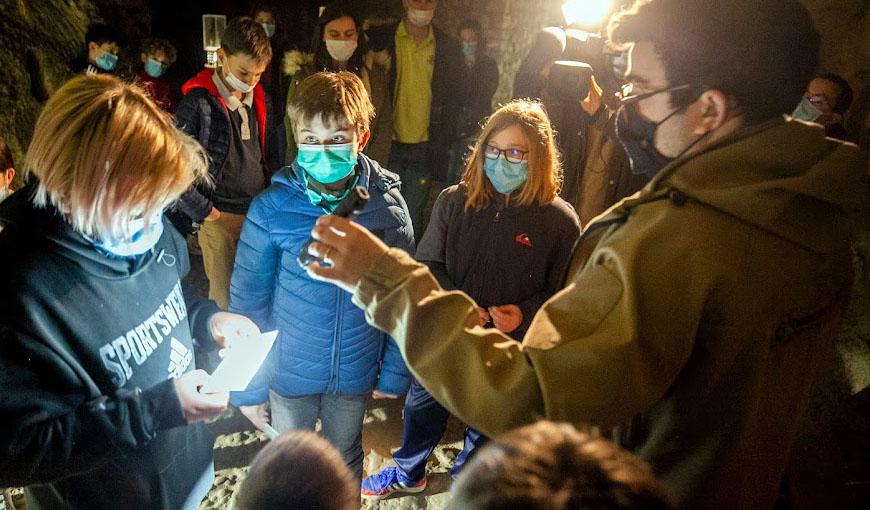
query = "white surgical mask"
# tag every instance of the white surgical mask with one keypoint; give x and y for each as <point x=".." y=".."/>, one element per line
<point x="807" y="111"/>
<point x="420" y="17"/>
<point x="236" y="83"/>
<point x="4" y="193"/>
<point x="340" y="50"/>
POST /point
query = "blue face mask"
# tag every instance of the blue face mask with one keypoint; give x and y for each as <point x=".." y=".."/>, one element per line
<point x="153" y="68"/>
<point x="327" y="202"/>
<point x="269" y="28"/>
<point x="144" y="236"/>
<point x="107" y="61"/>
<point x="504" y="175"/>
<point x="327" y="163"/>
<point x="807" y="111"/>
<point x="468" y="48"/>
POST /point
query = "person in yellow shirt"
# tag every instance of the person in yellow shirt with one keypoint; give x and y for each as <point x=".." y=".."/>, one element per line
<point x="425" y="71"/>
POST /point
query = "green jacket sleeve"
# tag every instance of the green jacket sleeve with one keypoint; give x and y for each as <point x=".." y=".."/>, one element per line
<point x="599" y="351"/>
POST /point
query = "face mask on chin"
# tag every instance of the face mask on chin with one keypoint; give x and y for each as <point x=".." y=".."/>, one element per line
<point x="234" y="82"/>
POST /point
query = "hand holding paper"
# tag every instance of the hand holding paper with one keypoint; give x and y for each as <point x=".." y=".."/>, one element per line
<point x="240" y="364"/>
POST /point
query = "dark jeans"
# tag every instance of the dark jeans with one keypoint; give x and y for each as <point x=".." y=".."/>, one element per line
<point x="412" y="162"/>
<point x="424" y="424"/>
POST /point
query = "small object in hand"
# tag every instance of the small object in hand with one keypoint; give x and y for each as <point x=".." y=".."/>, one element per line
<point x="351" y="205"/>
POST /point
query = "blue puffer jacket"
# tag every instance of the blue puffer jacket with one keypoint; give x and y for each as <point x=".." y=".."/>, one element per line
<point x="324" y="344"/>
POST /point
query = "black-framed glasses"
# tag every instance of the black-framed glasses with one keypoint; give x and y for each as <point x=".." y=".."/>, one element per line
<point x="512" y="155"/>
<point x="628" y="98"/>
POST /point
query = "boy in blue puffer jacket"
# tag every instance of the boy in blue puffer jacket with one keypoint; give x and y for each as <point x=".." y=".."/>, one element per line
<point x="327" y="359"/>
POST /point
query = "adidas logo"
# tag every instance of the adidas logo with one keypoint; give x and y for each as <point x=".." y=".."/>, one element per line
<point x="180" y="358"/>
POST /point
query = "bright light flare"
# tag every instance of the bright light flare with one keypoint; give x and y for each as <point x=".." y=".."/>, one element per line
<point x="586" y="12"/>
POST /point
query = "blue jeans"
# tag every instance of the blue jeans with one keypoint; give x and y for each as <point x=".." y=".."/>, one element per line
<point x="341" y="420"/>
<point x="423" y="426"/>
<point x="412" y="162"/>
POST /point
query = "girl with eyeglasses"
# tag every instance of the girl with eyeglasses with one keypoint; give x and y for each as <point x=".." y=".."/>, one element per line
<point x="502" y="236"/>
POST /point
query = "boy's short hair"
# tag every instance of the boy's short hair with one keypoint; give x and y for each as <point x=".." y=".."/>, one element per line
<point x="105" y="154"/>
<point x="299" y="469"/>
<point x="152" y="46"/>
<point x="338" y="97"/>
<point x="553" y="466"/>
<point x="246" y="36"/>
<point x="102" y="33"/>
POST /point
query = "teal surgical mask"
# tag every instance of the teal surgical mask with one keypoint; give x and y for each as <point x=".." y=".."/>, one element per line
<point x="153" y="68"/>
<point x="504" y="175"/>
<point x="326" y="201"/>
<point x="269" y="28"/>
<point x="144" y="235"/>
<point x="107" y="61"/>
<point x="468" y="48"/>
<point x="327" y="163"/>
<point x="807" y="111"/>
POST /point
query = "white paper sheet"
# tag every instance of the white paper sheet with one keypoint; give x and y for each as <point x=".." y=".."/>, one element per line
<point x="240" y="364"/>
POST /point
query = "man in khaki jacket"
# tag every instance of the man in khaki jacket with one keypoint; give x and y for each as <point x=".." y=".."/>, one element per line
<point x="693" y="312"/>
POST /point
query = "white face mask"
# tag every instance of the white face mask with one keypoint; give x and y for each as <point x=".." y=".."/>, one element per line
<point x="4" y="193"/>
<point x="420" y="17"/>
<point x="236" y="83"/>
<point x="340" y="50"/>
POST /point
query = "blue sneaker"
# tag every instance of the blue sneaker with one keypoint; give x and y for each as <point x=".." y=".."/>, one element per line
<point x="389" y="481"/>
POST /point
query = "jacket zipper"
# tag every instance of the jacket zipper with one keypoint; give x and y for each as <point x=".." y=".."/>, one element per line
<point x="336" y="343"/>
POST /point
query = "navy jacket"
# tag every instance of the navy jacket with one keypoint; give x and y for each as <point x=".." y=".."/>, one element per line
<point x="324" y="343"/>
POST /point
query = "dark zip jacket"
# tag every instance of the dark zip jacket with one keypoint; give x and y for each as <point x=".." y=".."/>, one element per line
<point x="89" y="344"/>
<point x="500" y="255"/>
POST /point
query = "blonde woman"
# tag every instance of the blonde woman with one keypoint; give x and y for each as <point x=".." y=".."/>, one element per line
<point x="502" y="236"/>
<point x="98" y="391"/>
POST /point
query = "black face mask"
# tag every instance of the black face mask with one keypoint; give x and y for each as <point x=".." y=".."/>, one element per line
<point x="636" y="135"/>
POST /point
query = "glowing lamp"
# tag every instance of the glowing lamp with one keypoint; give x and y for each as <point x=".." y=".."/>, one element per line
<point x="213" y="26"/>
<point x="587" y="13"/>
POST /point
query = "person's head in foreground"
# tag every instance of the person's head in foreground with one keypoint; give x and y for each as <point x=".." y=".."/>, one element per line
<point x="553" y="466"/>
<point x="110" y="161"/>
<point x="700" y="70"/>
<point x="514" y="157"/>
<point x="330" y="114"/>
<point x="297" y="470"/>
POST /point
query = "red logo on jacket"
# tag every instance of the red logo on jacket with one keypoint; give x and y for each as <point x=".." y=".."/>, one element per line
<point x="523" y="239"/>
